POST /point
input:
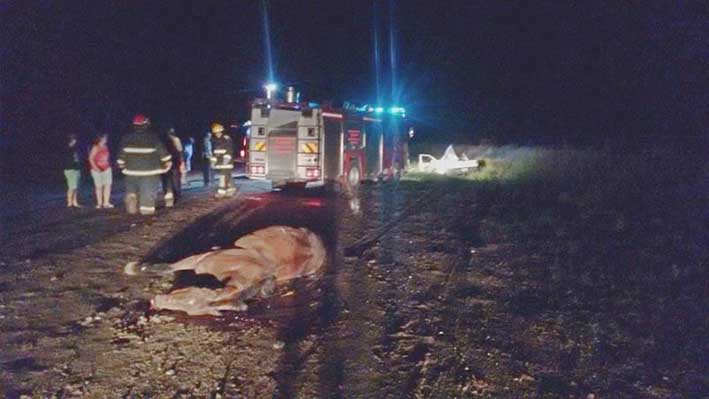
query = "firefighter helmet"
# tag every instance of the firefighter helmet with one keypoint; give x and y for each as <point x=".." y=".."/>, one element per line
<point x="217" y="127"/>
<point x="141" y="120"/>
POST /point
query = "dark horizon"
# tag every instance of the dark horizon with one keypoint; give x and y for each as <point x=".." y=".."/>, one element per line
<point x="512" y="72"/>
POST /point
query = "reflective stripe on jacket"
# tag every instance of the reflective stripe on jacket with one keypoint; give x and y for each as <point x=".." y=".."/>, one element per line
<point x="222" y="152"/>
<point x="143" y="154"/>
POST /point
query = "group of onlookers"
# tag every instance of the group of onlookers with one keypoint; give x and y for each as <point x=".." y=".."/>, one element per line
<point x="145" y="158"/>
<point x="99" y="161"/>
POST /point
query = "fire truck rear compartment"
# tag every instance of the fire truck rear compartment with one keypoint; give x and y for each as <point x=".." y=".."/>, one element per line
<point x="282" y="153"/>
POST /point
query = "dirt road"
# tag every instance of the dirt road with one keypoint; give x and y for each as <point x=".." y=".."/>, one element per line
<point x="418" y="300"/>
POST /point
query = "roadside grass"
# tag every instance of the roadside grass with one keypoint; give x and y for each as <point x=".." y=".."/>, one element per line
<point x="625" y="247"/>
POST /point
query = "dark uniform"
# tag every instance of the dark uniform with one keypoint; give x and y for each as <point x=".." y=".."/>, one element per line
<point x="206" y="159"/>
<point x="171" y="182"/>
<point x="143" y="158"/>
<point x="221" y="160"/>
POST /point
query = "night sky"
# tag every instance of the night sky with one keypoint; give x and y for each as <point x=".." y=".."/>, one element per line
<point x="526" y="72"/>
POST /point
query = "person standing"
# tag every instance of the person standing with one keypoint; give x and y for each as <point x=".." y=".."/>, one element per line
<point x="188" y="150"/>
<point x="72" y="172"/>
<point x="171" y="181"/>
<point x="142" y="159"/>
<point x="101" y="172"/>
<point x="206" y="159"/>
<point x="222" y="160"/>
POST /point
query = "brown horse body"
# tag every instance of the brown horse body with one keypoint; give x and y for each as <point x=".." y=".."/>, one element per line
<point x="261" y="259"/>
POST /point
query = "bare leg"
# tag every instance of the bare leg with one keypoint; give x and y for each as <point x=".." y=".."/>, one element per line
<point x="69" y="196"/>
<point x="107" y="196"/>
<point x="75" y="198"/>
<point x="99" y="196"/>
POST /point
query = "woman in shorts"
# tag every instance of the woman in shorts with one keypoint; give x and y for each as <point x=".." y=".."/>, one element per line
<point x="72" y="172"/>
<point x="100" y="161"/>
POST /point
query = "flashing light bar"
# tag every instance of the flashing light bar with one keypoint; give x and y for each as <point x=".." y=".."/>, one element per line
<point x="391" y="110"/>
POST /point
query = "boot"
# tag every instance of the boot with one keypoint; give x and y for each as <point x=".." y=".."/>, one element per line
<point x="132" y="203"/>
<point x="169" y="200"/>
<point x="147" y="210"/>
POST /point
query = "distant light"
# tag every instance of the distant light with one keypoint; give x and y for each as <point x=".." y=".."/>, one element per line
<point x="270" y="89"/>
<point x="379" y="110"/>
<point x="397" y="110"/>
<point x="411" y="132"/>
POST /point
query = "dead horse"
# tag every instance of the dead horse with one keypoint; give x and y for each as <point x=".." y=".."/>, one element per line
<point x="258" y="262"/>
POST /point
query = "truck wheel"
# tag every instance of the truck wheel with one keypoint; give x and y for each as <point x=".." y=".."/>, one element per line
<point x="353" y="176"/>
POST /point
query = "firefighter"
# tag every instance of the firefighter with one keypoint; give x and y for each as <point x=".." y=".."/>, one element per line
<point x="221" y="160"/>
<point x="142" y="158"/>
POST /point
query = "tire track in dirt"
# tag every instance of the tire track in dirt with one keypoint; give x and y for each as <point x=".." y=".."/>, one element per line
<point x="375" y="289"/>
<point x="418" y="289"/>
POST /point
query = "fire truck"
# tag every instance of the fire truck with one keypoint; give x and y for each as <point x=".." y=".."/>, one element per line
<point x="239" y="134"/>
<point x="294" y="142"/>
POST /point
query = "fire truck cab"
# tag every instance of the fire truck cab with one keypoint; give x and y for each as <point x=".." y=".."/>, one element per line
<point x="305" y="143"/>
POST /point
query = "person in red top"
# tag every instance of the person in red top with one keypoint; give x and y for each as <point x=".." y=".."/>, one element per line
<point x="100" y="161"/>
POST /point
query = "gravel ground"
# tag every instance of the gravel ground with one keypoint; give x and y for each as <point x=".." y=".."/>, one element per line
<point x="418" y="300"/>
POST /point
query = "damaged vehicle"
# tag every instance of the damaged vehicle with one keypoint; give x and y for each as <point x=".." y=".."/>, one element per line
<point x="449" y="164"/>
